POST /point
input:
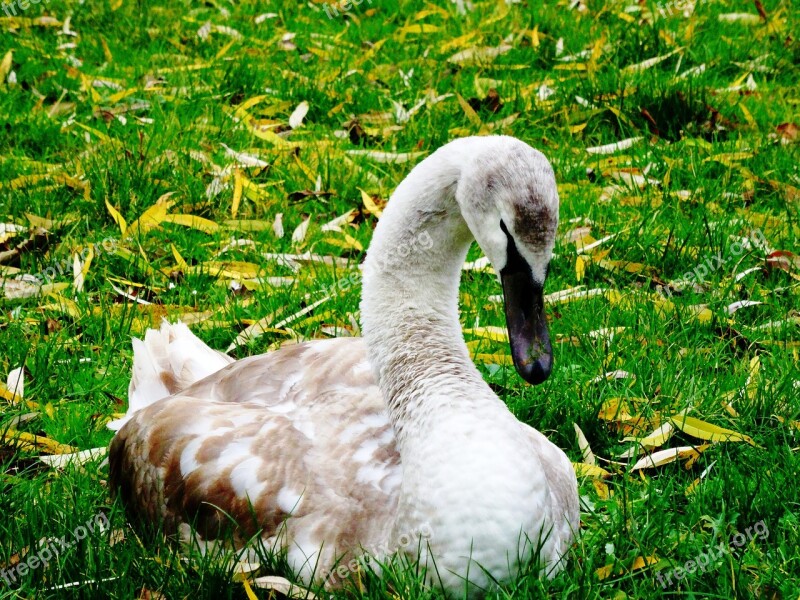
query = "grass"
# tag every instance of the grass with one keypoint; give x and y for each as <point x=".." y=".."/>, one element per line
<point x="118" y="103"/>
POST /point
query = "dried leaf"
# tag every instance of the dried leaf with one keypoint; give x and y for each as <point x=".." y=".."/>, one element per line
<point x="615" y="147"/>
<point x="664" y="457"/>
<point x="297" y="116"/>
<point x="387" y="157"/>
<point x="192" y="221"/>
<point x="707" y="431"/>
<point x="593" y="471"/>
<point x="27" y="441"/>
<point x="60" y="461"/>
<point x="118" y="219"/>
<point x="369" y="204"/>
<point x="15" y="384"/>
<point x="583" y="444"/>
<point x="283" y="586"/>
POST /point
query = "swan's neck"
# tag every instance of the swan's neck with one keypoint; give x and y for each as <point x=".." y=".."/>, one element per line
<point x="410" y="300"/>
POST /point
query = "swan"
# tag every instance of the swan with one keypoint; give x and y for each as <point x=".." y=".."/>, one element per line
<point x="388" y="443"/>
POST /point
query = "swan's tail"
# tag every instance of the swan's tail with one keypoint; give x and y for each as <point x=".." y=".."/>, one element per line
<point x="167" y="361"/>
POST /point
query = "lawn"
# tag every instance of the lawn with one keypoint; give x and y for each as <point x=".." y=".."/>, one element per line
<point x="225" y="163"/>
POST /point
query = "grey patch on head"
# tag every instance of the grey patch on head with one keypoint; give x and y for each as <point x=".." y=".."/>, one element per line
<point x="534" y="222"/>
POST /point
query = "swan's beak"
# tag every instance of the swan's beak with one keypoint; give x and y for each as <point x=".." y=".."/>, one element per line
<point x="526" y="322"/>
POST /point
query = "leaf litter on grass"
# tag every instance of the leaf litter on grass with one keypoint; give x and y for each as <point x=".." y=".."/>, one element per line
<point x="272" y="191"/>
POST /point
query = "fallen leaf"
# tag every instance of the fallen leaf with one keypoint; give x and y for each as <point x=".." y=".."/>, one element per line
<point x="298" y="114"/>
<point x="707" y="431"/>
<point x="664" y="457"/>
<point x="583" y="445"/>
<point x="283" y="586"/>
<point x="615" y="147"/>
<point x="584" y="470"/>
<point x="28" y="441"/>
<point x="59" y="461"/>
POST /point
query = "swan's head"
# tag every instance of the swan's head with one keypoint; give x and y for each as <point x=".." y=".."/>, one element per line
<point x="508" y="198"/>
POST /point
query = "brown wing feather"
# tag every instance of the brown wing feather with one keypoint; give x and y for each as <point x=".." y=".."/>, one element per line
<point x="296" y="442"/>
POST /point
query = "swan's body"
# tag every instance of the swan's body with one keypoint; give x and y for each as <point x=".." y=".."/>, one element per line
<point x="390" y="443"/>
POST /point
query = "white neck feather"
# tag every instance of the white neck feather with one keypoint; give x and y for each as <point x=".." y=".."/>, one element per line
<point x="409" y="305"/>
<point x="472" y="474"/>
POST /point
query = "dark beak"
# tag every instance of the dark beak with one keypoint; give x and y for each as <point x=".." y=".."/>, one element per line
<point x="525" y="319"/>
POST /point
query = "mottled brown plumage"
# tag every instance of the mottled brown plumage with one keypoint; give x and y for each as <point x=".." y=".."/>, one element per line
<point x="332" y="461"/>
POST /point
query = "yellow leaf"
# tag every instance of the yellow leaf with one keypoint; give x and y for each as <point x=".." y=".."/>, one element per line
<point x="472" y="116"/>
<point x="655" y="439"/>
<point x="747" y="115"/>
<point x="664" y="457"/>
<point x="728" y="158"/>
<point x="178" y="258"/>
<point x="604" y="572"/>
<point x="707" y="431"/>
<point x="270" y="136"/>
<point x="118" y="218"/>
<point x="237" y="192"/>
<point x="312" y="177"/>
<point x="640" y="562"/>
<point x="152" y="217"/>
<point x="28" y="441"/>
<point x="580" y="268"/>
<point x="622" y="265"/>
<point x="247" y="225"/>
<point x="593" y="471"/>
<point x="192" y="221"/>
<point x="459" y="42"/>
<point x="248" y="590"/>
<point x="570" y="67"/>
<point x="496" y="334"/>
<point x="7" y="394"/>
<point x="231" y="269"/>
<point x="5" y="65"/>
<point x="63" y="305"/>
<point x="250" y="103"/>
<point x="650" y="62"/>
<point x="601" y="489"/>
<point x="369" y="204"/>
<point x="615" y="409"/>
<point x="433" y="10"/>
<point x="702" y="313"/>
<point x="106" y="50"/>
<point x="419" y="28"/>
<point x="348" y="243"/>
<point x="535" y="37"/>
<point x="637" y="563"/>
